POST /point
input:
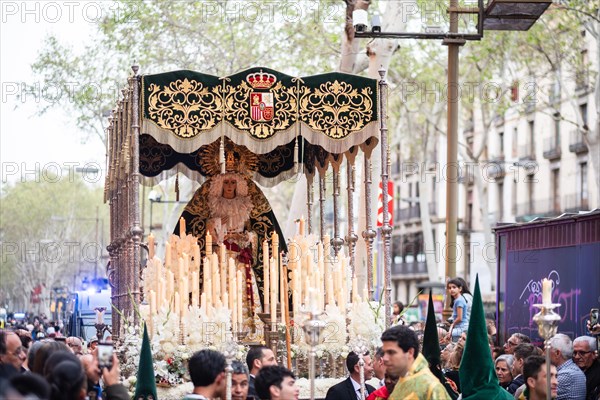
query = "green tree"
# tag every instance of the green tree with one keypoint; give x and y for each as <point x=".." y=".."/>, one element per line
<point x="49" y="237"/>
<point x="220" y="38"/>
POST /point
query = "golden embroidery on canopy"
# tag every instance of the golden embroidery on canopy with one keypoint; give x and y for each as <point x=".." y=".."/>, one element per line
<point x="185" y="107"/>
<point x="336" y="108"/>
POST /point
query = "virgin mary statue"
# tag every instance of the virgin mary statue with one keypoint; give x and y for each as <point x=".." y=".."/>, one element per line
<point x="236" y="213"/>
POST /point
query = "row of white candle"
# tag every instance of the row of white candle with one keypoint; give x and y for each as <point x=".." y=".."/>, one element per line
<point x="324" y="282"/>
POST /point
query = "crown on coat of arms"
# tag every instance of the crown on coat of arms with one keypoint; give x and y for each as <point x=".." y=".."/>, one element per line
<point x="261" y="80"/>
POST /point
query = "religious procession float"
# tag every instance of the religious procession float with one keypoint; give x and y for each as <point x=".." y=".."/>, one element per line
<point x="228" y="279"/>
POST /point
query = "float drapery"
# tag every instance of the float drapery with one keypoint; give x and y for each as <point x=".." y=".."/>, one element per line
<point x="313" y="120"/>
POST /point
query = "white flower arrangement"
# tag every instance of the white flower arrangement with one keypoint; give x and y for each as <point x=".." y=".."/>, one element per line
<point x="335" y="335"/>
<point x="366" y="322"/>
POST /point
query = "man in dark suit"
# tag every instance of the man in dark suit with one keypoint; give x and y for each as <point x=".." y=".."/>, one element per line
<point x="349" y="389"/>
<point x="257" y="358"/>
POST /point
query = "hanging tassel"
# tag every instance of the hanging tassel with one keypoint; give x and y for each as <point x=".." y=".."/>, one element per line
<point x="296" y="156"/>
<point x="222" y="154"/>
<point x="177" y="187"/>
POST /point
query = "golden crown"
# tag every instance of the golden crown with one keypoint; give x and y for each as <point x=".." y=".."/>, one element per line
<point x="261" y="80"/>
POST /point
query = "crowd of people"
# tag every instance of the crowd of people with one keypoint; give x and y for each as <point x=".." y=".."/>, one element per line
<point x="406" y="366"/>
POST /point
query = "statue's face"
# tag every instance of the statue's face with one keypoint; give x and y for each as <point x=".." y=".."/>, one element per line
<point x="229" y="186"/>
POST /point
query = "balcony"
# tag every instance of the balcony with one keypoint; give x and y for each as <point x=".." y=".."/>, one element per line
<point x="537" y="208"/>
<point x="552" y="148"/>
<point x="410" y="268"/>
<point x="582" y="81"/>
<point x="576" y="202"/>
<point x="527" y="152"/>
<point x="413" y="212"/>
<point x="495" y="168"/>
<point x="576" y="142"/>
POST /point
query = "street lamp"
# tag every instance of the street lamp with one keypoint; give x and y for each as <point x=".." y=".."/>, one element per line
<point x="515" y="15"/>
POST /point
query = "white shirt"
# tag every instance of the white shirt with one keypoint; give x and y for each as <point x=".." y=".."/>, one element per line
<point x="356" y="386"/>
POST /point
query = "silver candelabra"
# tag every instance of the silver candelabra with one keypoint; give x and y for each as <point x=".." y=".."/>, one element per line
<point x="313" y="334"/>
<point x="360" y="346"/>
<point x="230" y="349"/>
<point x="547" y="321"/>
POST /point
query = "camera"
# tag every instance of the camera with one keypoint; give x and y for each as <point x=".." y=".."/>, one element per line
<point x="359" y="20"/>
<point x="105" y="355"/>
<point x="376" y="24"/>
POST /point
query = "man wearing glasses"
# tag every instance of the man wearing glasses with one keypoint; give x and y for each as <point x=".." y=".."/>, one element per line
<point x="585" y="356"/>
<point x="12" y="353"/>
<point x="515" y="340"/>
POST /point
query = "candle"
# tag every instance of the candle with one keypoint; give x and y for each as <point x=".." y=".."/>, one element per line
<point x="214" y="266"/>
<point x="163" y="292"/>
<point x="170" y="285"/>
<point x="195" y="288"/>
<point x="152" y="302"/>
<point x="184" y="298"/>
<point x="150" y="246"/>
<point x="186" y="265"/>
<point x="240" y="299"/>
<point x="203" y="302"/>
<point x="314" y="300"/>
<point x="196" y="250"/>
<point x="233" y="304"/>
<point x="330" y="300"/>
<point x="354" y="289"/>
<point x="181" y="269"/>
<point x="168" y="255"/>
<point x="301" y="227"/>
<point x="208" y="247"/>
<point x="267" y="275"/>
<point x="326" y="246"/>
<point x="177" y="304"/>
<point x="223" y="250"/>
<point x="182" y="227"/>
<point x="273" y="293"/>
<point x="546" y="291"/>
<point x="226" y="300"/>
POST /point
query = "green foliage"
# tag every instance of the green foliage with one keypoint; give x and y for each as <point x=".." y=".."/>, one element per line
<point x="46" y="223"/>
<point x="219" y="38"/>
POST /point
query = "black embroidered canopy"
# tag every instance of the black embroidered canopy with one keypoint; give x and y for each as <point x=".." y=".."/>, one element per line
<point x="283" y="120"/>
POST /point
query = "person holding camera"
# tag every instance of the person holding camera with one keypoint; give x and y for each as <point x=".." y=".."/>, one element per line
<point x="111" y="377"/>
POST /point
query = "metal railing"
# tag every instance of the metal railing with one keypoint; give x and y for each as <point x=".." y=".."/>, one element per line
<point x="552" y="148"/>
<point x="575" y="202"/>
<point x="527" y="152"/>
<point x="413" y="212"/>
<point x="538" y="208"/>
<point x="410" y="268"/>
<point x="576" y="142"/>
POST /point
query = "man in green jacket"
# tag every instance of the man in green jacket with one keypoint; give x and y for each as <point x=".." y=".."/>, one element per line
<point x="402" y="358"/>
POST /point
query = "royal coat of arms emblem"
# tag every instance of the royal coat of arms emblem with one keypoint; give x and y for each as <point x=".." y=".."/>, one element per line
<point x="262" y="105"/>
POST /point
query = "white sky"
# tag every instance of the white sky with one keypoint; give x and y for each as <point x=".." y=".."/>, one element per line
<point x="26" y="138"/>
